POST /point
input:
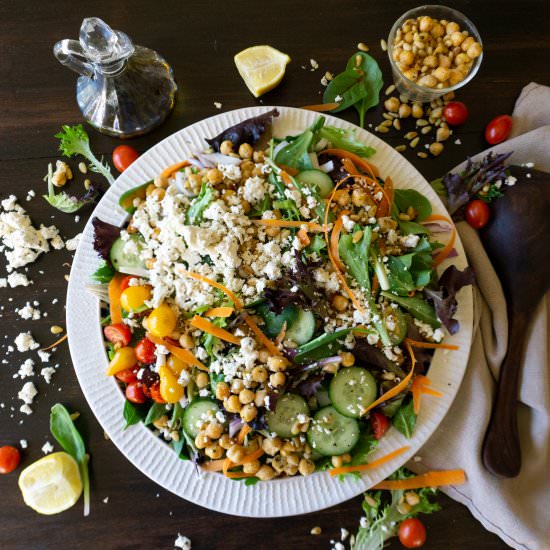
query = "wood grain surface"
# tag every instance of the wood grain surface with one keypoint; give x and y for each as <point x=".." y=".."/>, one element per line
<point x="199" y="39"/>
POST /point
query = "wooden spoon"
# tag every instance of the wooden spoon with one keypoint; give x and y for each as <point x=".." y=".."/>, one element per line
<point x="517" y="242"/>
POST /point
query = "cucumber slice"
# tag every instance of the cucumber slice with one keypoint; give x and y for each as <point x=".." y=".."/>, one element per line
<point x="332" y="433"/>
<point x="323" y="398"/>
<point x="319" y="179"/>
<point x="398" y="329"/>
<point x="196" y="413"/>
<point x="274" y="322"/>
<point x="352" y="390"/>
<point x="125" y="258"/>
<point x="289" y="407"/>
<point x="126" y="200"/>
<point x="303" y="327"/>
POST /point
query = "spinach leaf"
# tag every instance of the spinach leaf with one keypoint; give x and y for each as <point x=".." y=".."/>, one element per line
<point x="104" y="273"/>
<point x="345" y="139"/>
<point x="133" y="413"/>
<point x="194" y="214"/>
<point x="404" y="419"/>
<point x="404" y="198"/>
<point x="303" y="352"/>
<point x="66" y="434"/>
<point x="358" y="85"/>
<point x="296" y="153"/>
<point x="155" y="412"/>
<point x="356" y="255"/>
<point x="363" y="448"/>
<point x="416" y="306"/>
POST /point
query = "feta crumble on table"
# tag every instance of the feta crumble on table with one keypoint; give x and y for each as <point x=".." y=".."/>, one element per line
<point x="182" y="542"/>
<point x="72" y="244"/>
<point x="27" y="394"/>
<point x="25" y="370"/>
<point x="25" y="342"/>
<point x="47" y="448"/>
<point x="23" y="443"/>
<point x="28" y="312"/>
<point x="47" y="373"/>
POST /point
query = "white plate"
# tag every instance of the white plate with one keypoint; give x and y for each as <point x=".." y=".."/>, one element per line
<point x="284" y="497"/>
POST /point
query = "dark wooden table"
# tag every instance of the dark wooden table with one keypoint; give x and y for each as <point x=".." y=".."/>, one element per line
<point x="199" y="39"/>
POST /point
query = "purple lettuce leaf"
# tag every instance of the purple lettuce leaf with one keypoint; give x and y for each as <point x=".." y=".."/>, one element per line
<point x="310" y="386"/>
<point x="105" y="234"/>
<point x="375" y="358"/>
<point x="247" y="131"/>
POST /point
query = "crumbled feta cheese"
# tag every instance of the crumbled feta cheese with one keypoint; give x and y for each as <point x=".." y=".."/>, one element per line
<point x="72" y="244"/>
<point x="18" y="279"/>
<point x="344" y="534"/>
<point x="182" y="542"/>
<point x="217" y="104"/>
<point x="47" y="448"/>
<point x="26" y="369"/>
<point x="44" y="356"/>
<point x="230" y="171"/>
<point x="314" y="64"/>
<point x="27" y="394"/>
<point x="25" y="342"/>
<point x="47" y="373"/>
<point x="23" y="443"/>
<point x="28" y="312"/>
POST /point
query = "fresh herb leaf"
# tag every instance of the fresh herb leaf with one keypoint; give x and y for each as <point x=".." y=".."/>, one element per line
<point x="251" y="481"/>
<point x="200" y="203"/>
<point x="66" y="434"/>
<point x="356" y="255"/>
<point x="363" y="448"/>
<point x="75" y="141"/>
<point x="133" y="413"/>
<point x="345" y="139"/>
<point x="404" y="419"/>
<point x="155" y="412"/>
<point x="416" y="306"/>
<point x="406" y="198"/>
<point x="296" y="153"/>
<point x="104" y="273"/>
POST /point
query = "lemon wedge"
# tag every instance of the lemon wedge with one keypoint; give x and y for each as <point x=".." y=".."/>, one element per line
<point x="52" y="484"/>
<point x="261" y="68"/>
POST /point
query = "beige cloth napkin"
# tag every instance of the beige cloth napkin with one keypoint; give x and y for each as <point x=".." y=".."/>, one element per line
<point x="517" y="510"/>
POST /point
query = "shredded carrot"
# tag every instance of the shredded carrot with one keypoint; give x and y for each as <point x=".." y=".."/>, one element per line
<point x="429" y="345"/>
<point x="437" y="218"/>
<point x="271" y="347"/>
<point x="213" y="465"/>
<point x="311" y="226"/>
<point x="429" y="391"/>
<point x="167" y="172"/>
<point x="397" y="388"/>
<point x="281" y="335"/>
<point x="242" y="433"/>
<point x="322" y="107"/>
<point x="225" y="290"/>
<point x="247" y="458"/>
<point x="446" y="250"/>
<point x="429" y="479"/>
<point x="303" y="237"/>
<point x="289" y="170"/>
<point x="356" y="159"/>
<point x="371" y="465"/>
<point x="56" y="343"/>
<point x="375" y="284"/>
<point x="252" y="456"/>
<point x="335" y="237"/>
<point x="238" y="475"/>
<point x="350" y="167"/>
<point x="219" y="312"/>
<point x="285" y="177"/>
<point x="389" y="189"/>
<point x="114" y="298"/>
<point x="185" y="355"/>
<point x="416" y="390"/>
<point x="206" y="326"/>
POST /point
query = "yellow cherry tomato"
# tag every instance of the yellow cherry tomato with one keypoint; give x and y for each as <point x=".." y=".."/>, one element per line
<point x="124" y="358"/>
<point x="170" y="389"/>
<point x="134" y="297"/>
<point x="176" y="364"/>
<point x="162" y="321"/>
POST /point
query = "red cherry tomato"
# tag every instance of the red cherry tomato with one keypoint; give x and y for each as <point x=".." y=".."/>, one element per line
<point x="123" y="156"/>
<point x="477" y="213"/>
<point x="118" y="334"/>
<point x="9" y="459"/>
<point x="127" y="375"/>
<point x="154" y="393"/>
<point x="455" y="113"/>
<point x="125" y="283"/>
<point x="379" y="423"/>
<point x="145" y="351"/>
<point x="498" y="129"/>
<point x="134" y="393"/>
<point x="412" y="533"/>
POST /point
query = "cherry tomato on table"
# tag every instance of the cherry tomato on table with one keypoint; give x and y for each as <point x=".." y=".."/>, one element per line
<point x="412" y="533"/>
<point x="127" y="375"/>
<point x="477" y="213"/>
<point x="379" y="423"/>
<point x="9" y="459"/>
<point x="123" y="156"/>
<point x="134" y="393"/>
<point x="498" y="130"/>
<point x="118" y="334"/>
<point x="455" y="113"/>
<point x="145" y="351"/>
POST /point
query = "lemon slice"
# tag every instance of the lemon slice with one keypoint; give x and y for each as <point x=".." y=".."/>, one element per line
<point x="261" y="67"/>
<point x="52" y="484"/>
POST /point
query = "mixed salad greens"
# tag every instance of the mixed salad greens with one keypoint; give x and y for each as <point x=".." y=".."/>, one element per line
<point x="273" y="311"/>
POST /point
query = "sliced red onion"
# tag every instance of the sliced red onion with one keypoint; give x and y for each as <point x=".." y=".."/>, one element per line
<point x="196" y="162"/>
<point x="278" y="147"/>
<point x="211" y="160"/>
<point x="437" y="227"/>
<point x="327" y="167"/>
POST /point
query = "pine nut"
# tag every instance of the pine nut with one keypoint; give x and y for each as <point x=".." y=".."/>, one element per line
<point x="414" y="142"/>
<point x="390" y="89"/>
<point x="384" y="45"/>
<point x="410" y="135"/>
<point x="362" y="47"/>
<point x="421" y="122"/>
<point x="426" y="130"/>
<point x="82" y="167"/>
<point x="397" y="124"/>
<point x="316" y="531"/>
<point x="422" y="155"/>
<point x="401" y="148"/>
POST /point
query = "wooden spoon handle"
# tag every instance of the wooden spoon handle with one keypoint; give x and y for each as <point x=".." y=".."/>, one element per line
<point x="501" y="449"/>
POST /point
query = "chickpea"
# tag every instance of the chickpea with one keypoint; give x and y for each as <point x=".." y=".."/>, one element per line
<point x="235" y="453"/>
<point x="225" y="441"/>
<point x="195" y="182"/>
<point x="306" y="467"/>
<point x="265" y="473"/>
<point x="186" y="341"/>
<point x="417" y="110"/>
<point x="437" y="30"/>
<point x="272" y="446"/>
<point x="278" y="463"/>
<point x="226" y="147"/>
<point x="436" y="148"/>
<point x="201" y="441"/>
<point x="222" y="391"/>
<point x="249" y="412"/>
<point x="426" y="23"/>
<point x="409" y="37"/>
<point x="259" y="374"/>
<point x="277" y="379"/>
<point x="158" y="193"/>
<point x="214" y="452"/>
<point x="430" y="61"/>
<point x="474" y="50"/>
<point x="149" y="189"/>
<point x="237" y="386"/>
<point x="291" y="469"/>
<point x="232" y="404"/>
<point x="246" y="151"/>
<point x="251" y="467"/>
<point x="202" y="380"/>
<point x="277" y="363"/>
<point x="160" y="181"/>
<point x="339" y="302"/>
<point x="337" y="461"/>
<point x="259" y="400"/>
<point x="258" y="156"/>
<point x="427" y="80"/>
<point x="404" y="111"/>
<point x="246" y="397"/>
<point x="214" y="176"/>
<point x="359" y="197"/>
<point x="457" y="38"/>
<point x="214" y="430"/>
<point x="442" y="74"/>
<point x="392" y="104"/>
<point x="406" y="58"/>
<point x="263" y="355"/>
<point x="455" y="77"/>
<point x="411" y="74"/>
<point x="343" y="198"/>
<point x="452" y="27"/>
<point x="348" y="359"/>
<point x="462" y="59"/>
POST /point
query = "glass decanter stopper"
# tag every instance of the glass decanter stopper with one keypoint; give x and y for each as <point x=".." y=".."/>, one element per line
<point x="124" y="89"/>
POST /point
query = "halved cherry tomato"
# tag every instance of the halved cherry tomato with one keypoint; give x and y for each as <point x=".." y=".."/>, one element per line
<point x="9" y="459"/>
<point x="127" y="376"/>
<point x="125" y="283"/>
<point x="145" y="351"/>
<point x="498" y="130"/>
<point x="118" y="334"/>
<point x="123" y="156"/>
<point x="134" y="393"/>
<point x="154" y="393"/>
<point x="477" y="213"/>
<point x="412" y="533"/>
<point x="455" y="113"/>
<point x="379" y="423"/>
